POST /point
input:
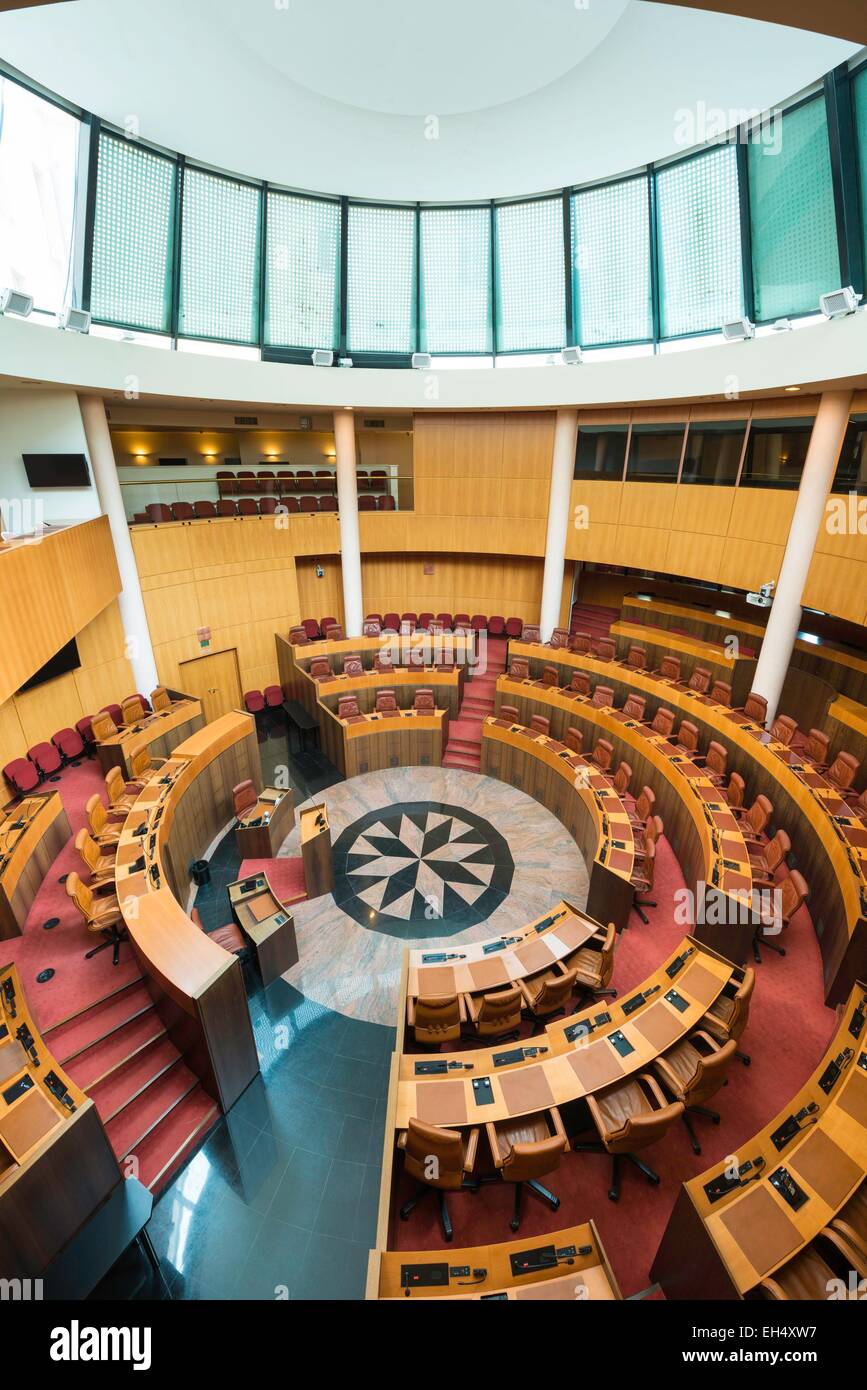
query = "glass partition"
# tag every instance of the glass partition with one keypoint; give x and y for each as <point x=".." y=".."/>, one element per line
<point x="654" y="453"/>
<point x="776" y="450"/>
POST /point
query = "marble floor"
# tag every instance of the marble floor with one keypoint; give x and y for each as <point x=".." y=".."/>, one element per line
<point x="423" y="855"/>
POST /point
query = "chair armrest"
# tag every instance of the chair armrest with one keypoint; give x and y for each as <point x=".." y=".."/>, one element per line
<point x="559" y="1127"/>
<point x="527" y="996"/>
<point x="471" y="1150"/>
<point x="849" y="1234"/>
<point x="469" y="1008"/>
<point x="774" y="1290"/>
<point x="402" y="1138"/>
<point x="851" y="1254"/>
<point x="665" y="1072"/>
<point x="410" y="1011"/>
<point x="106" y="919"/>
<point x="493" y="1145"/>
<point x="462" y="1009"/>
<point x="653" y="1087"/>
<point x="711" y="1043"/>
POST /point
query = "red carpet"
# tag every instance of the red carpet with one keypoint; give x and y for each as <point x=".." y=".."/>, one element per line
<point x="788" y="1030"/>
<point x="464" y="747"/>
<point x="286" y="876"/>
<point x="594" y="618"/>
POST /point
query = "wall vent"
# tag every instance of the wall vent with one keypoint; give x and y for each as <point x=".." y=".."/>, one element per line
<point x="373" y="424"/>
<point x="246" y="419"/>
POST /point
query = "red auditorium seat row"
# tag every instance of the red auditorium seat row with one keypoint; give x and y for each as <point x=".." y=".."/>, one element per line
<point x="286" y="480"/>
<point x="255" y="701"/>
<point x="44" y="760"/>
<point x="156" y="512"/>
<point x="496" y="626"/>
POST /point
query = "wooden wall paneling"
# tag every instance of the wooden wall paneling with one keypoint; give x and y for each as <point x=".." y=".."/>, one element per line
<point x="706" y="510"/>
<point x="762" y="514"/>
<point x="642" y="547"/>
<point x="836" y="584"/>
<point x="745" y="564"/>
<point x="694" y="554"/>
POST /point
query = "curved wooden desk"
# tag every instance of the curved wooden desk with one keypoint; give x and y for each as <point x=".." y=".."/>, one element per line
<point x="198" y="988"/>
<point x="693" y="651"/>
<point x="56" y="1164"/>
<point x="371" y="742"/>
<point x="446" y="685"/>
<point x="831" y="841"/>
<point x="579" y="1059"/>
<point x="722" y="1246"/>
<point x="292" y="658"/>
<point x="156" y="733"/>
<point x="32" y="834"/>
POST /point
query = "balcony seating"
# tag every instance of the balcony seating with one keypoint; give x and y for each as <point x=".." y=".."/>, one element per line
<point x="183" y="511"/>
<point x="254" y="701"/>
<point x="372" y="627"/>
<point x="478" y="622"/>
<point x="386" y="503"/>
<point x="446" y="620"/>
<point x="204" y="510"/>
<point x="328" y="504"/>
<point x="248" y="506"/>
<point x="226" y="507"/>
<point x="497" y="626"/>
<point x="69" y="744"/>
<point x="424" y="622"/>
<point x="46" y="759"/>
<point x="529" y="632"/>
<point x="514" y="627"/>
<point x="391" y="623"/>
<point x="273" y="697"/>
<point x="311" y="627"/>
<point x="158" y="511"/>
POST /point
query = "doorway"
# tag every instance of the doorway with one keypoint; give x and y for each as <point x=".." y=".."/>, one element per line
<point x="215" y="681"/>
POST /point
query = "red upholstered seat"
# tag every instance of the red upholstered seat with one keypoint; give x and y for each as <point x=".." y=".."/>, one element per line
<point x="244" y="797"/>
<point x="367" y="502"/>
<point x="461" y="620"/>
<point x="142" y="699"/>
<point x="385" y="702"/>
<point x="424" y="701"/>
<point x="347" y="707"/>
<point x="183" y="511"/>
<point x="45" y="758"/>
<point x="391" y="622"/>
<point x="273" y="696"/>
<point x="514" y="627"/>
<point x="328" y="504"/>
<point x="225" y="482"/>
<point x="320" y="668"/>
<point x="254" y="701"/>
<point x="445" y="618"/>
<point x="248" y="506"/>
<point x="204" y="509"/>
<point x="68" y="743"/>
<point x="425" y="620"/>
<point x="84" y="727"/>
<point x="289" y="504"/>
<point x="496" y="626"/>
<point x="478" y="622"/>
<point x="21" y="775"/>
<point x="372" y="627"/>
<point x="265" y="479"/>
<point x="530" y="632"/>
<point x="386" y="503"/>
<point x="352" y="664"/>
<point x="311" y="627"/>
<point x="116" y="713"/>
<point x="226" y="507"/>
<point x="158" y="511"/>
<point x="230" y="937"/>
<point x="308" y="503"/>
<point x="267" y="506"/>
<point x="580" y="642"/>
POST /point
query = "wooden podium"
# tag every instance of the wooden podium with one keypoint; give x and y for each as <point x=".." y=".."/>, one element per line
<point x="268" y="924"/>
<point x="261" y="830"/>
<point x="316" y="850"/>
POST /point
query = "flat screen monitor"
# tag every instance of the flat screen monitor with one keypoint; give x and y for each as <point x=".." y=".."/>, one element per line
<point x="56" y="470"/>
<point x="67" y="659"/>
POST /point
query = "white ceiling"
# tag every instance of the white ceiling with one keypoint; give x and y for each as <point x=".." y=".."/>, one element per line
<point x="338" y="95"/>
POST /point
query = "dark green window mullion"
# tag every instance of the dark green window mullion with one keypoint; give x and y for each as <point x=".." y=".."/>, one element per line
<point x="417" y="333"/>
<point x="344" y="272"/>
<point x="90" y="210"/>
<point x="844" y="174"/>
<point x="656" y="316"/>
<point x="263" y="262"/>
<point x="493" y="279"/>
<point x="569" y="276"/>
<point x="746" y="223"/>
<point x="177" y="222"/>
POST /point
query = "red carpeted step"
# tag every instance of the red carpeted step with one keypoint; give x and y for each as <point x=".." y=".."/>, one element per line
<point x="127" y="1130"/>
<point x="101" y="1060"/>
<point x="465" y="731"/>
<point x="167" y="1147"/>
<point x="69" y="1039"/>
<point x="461" y="760"/>
<point x="285" y="875"/>
<point x="130" y="1080"/>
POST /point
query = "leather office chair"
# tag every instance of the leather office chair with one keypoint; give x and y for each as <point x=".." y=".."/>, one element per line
<point x="386" y="702"/>
<point x="334" y="631"/>
<point x="121" y="794"/>
<point x="320" y="668"/>
<point x="768" y="858"/>
<point x="529" y="633"/>
<point x="424" y="701"/>
<point x="755" y="707"/>
<point x="700" y="680"/>
<point x="593" y="963"/>
<point x="143" y="765"/>
<point x="559" y="638"/>
<point x="729" y="1014"/>
<point x="603" y="754"/>
<point x="579" y="642"/>
<point x="103" y="726"/>
<point x="843" y="771"/>
<point x="102" y="915"/>
<point x="686" y="738"/>
<point x="230" y="937"/>
<point x="648" y="834"/>
<point x="132" y="710"/>
<point x="347" y="707"/>
<point x="735" y="792"/>
<point x="807" y="1276"/>
<point x="519" y="669"/>
<point x="603" y="697"/>
<point x="630" y="1116"/>
<point x="784" y="729"/>
<point x="352" y="664"/>
<point x="793" y="893"/>
<point x="372" y="627"/>
<point x="669" y="667"/>
<point x="692" y="1071"/>
<point x="547" y="995"/>
<point x="298" y="637"/>
<point x="636" y="657"/>
<point x="415" y="659"/>
<point x="643" y="808"/>
<point x="721" y="692"/>
<point x="580" y="683"/>
<point x="715" y="762"/>
<point x="634" y="706"/>
<point x="540" y="725"/>
<point x="496" y="1016"/>
<point x="383" y="664"/>
<point x="622" y="778"/>
<point x="244" y="797"/>
<point x="816" y="750"/>
<point x="550" y="676"/>
<point x="526" y="1149"/>
<point x="442" y="1161"/>
<point x="605" y="648"/>
<point x="754" y="822"/>
<point x="573" y="739"/>
<point x="509" y="712"/>
<point x="104" y="831"/>
<point x="851" y="1220"/>
<point x="436" y="1020"/>
<point x="662" y="722"/>
<point x="642" y="880"/>
<point x="98" y="862"/>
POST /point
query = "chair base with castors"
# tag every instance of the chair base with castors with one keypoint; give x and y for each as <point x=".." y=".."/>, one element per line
<point x="639" y="904"/>
<point x="540" y="1191"/>
<point x="114" y="938"/>
<point x="445" y="1220"/>
<point x="697" y="1110"/>
<point x="614" y="1189"/>
<point x="759" y="940"/>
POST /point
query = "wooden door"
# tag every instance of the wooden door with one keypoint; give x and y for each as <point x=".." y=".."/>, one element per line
<point x="215" y="681"/>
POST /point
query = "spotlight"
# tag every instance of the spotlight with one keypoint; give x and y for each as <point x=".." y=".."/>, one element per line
<point x="344" y="361"/>
<point x="321" y="357"/>
<point x="422" y="361"/>
<point x="75" y="320"/>
<point x="738" y="330"/>
<point x="15" y="302"/>
<point x="782" y="325"/>
<point x="571" y="356"/>
<point x="839" y="303"/>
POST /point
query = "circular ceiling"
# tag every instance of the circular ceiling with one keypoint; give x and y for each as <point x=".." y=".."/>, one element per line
<point x="399" y="99"/>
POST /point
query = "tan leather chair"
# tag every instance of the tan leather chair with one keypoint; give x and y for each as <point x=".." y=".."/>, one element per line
<point x="721" y="692"/>
<point x="99" y="863"/>
<point x="548" y="994"/>
<point x="843" y="771"/>
<point x="540" y="725"/>
<point x="519" y="669"/>
<point x="686" y="738"/>
<point x="495" y="1016"/>
<point x="352" y="665"/>
<point x="102" y="915"/>
<point x="784" y="729"/>
<point x="104" y="831"/>
<point x="715" y="762"/>
<point x="143" y="765"/>
<point x="816" y="749"/>
<point x="132" y="710"/>
<point x="669" y="667"/>
<point x="573" y="739"/>
<point x="662" y="722"/>
<point x="244" y="797"/>
<point x="230" y="937"/>
<point x="634" y="706"/>
<point x="121" y="794"/>
<point x="424" y="701"/>
<point x="644" y="805"/>
<point x="348" y="707"/>
<point x="692" y="1071"/>
<point x="630" y="1116"/>
<point x="593" y="963"/>
<point x="700" y="680"/>
<point x="435" y="1020"/>
<point x="793" y="893"/>
<point x="755" y="820"/>
<point x="386" y="701"/>
<point x="160" y="697"/>
<point x="559" y="638"/>
<point x="603" y="754"/>
<point x="729" y="1014"/>
<point x="642" y="880"/>
<point x="636" y="657"/>
<point x="755" y="707"/>
<point x="622" y="778"/>
<point x="102" y="727"/>
<point x="606" y="648"/>
<point x="579" y="684"/>
<point x="526" y="1149"/>
<point x="580" y="642"/>
<point x="648" y="834"/>
<point x="603" y="697"/>
<point x="808" y="1276"/>
<point x="736" y="791"/>
<point x="767" y="860"/>
<point x="334" y="633"/>
<point x="454" y="1153"/>
<point x="851" y="1220"/>
<point x="510" y="713"/>
<point x="550" y="676"/>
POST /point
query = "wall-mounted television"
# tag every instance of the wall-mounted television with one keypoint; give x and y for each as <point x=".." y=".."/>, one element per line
<point x="67" y="659"/>
<point x="56" y="470"/>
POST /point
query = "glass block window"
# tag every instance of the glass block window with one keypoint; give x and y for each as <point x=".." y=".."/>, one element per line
<point x="611" y="264"/>
<point x="794" y="230"/>
<point x="380" y="291"/>
<point x="601" y="452"/>
<point x="302" y="272"/>
<point x="131" y="280"/>
<point x="713" y="452"/>
<point x="531" y="276"/>
<point x="219" y="258"/>
<point x="455" y="280"/>
<point x="700" y="268"/>
<point x="859" y="102"/>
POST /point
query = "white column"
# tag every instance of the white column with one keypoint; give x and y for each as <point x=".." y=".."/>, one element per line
<point x="139" y="647"/>
<point x="784" y="619"/>
<point x="347" y="504"/>
<point x="559" y="503"/>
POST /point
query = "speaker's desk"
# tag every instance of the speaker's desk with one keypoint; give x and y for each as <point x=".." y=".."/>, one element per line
<point x="726" y="1234"/>
<point x="267" y="922"/>
<point x="315" y="835"/>
<point x="261" y="831"/>
<point x="370" y="742"/>
<point x="157" y="734"/>
<point x="32" y="834"/>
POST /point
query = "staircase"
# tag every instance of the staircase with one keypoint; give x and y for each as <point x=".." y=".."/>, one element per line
<point x="464" y="748"/>
<point x="152" y="1106"/>
<point x="593" y="618"/>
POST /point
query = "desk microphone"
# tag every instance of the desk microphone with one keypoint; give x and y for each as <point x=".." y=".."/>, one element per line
<point x="9" y="998"/>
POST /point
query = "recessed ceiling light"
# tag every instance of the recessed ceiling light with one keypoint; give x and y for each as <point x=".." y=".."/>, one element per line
<point x="791" y="388"/>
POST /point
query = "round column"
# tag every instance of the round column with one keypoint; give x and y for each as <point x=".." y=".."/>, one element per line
<point x="784" y="619"/>
<point x="347" y="505"/>
<point x="139" y="648"/>
<point x="559" y="504"/>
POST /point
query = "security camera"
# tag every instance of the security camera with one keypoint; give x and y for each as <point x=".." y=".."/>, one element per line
<point x="320" y="572"/>
<point x="765" y="596"/>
